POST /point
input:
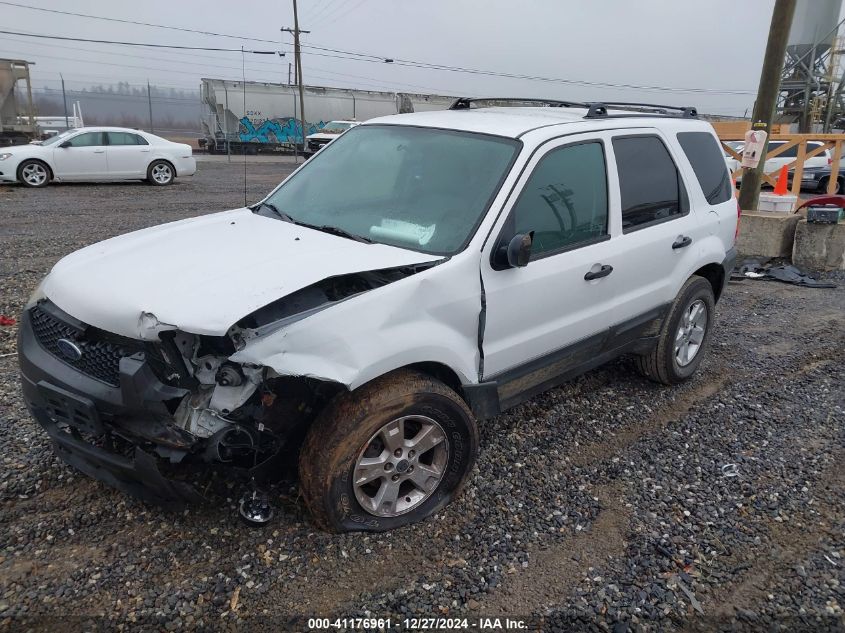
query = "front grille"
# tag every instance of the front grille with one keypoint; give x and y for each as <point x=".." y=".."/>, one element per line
<point x="101" y="353"/>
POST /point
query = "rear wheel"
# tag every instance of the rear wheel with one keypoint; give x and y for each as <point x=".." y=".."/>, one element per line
<point x="387" y="455"/>
<point x="33" y="173"/>
<point x="161" y="173"/>
<point x="684" y="337"/>
<point x="824" y="182"/>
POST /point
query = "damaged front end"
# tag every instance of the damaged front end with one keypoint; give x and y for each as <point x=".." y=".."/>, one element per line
<point x="153" y="416"/>
<point x="148" y="417"/>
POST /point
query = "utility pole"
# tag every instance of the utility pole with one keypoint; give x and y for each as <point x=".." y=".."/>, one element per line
<point x="150" y="104"/>
<point x="64" y="98"/>
<point x="767" y="96"/>
<point x="298" y="63"/>
<point x="289" y="65"/>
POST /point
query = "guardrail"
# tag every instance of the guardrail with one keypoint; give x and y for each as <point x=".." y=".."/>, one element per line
<point x="796" y="167"/>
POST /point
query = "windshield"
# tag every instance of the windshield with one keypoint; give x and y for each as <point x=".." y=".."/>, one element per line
<point x="419" y="188"/>
<point x="58" y="138"/>
<point x="335" y="126"/>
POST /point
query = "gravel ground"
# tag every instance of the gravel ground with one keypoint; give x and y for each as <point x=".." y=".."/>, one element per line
<point x="610" y="503"/>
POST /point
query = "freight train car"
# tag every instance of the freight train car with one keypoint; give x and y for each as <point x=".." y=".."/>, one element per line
<point x="245" y="117"/>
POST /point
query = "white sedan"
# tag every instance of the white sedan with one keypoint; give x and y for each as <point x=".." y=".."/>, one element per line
<point x="94" y="154"/>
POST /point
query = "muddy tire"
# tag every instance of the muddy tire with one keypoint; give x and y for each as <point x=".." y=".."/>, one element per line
<point x="684" y="336"/>
<point x="161" y="173"/>
<point x="358" y="467"/>
<point x="34" y="173"/>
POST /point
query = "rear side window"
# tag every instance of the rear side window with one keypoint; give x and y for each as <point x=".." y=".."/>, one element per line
<point x="565" y="200"/>
<point x="125" y="138"/>
<point x="649" y="183"/>
<point x="707" y="162"/>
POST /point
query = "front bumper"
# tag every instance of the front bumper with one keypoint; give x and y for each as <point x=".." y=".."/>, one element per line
<point x="102" y="430"/>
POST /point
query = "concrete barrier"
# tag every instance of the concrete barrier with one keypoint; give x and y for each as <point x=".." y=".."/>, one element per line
<point x="767" y="234"/>
<point x="819" y="246"/>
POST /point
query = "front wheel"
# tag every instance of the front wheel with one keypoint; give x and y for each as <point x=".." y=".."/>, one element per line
<point x="33" y="173"/>
<point x="389" y="454"/>
<point x="160" y="173"/>
<point x="684" y="337"/>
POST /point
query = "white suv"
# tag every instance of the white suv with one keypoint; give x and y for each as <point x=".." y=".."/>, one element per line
<point x="422" y="272"/>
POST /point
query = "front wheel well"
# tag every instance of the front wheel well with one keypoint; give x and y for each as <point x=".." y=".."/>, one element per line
<point x="715" y="274"/>
<point x="441" y="372"/>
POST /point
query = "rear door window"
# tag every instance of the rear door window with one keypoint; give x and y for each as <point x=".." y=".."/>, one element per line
<point x="705" y="156"/>
<point x="125" y="138"/>
<point x="649" y="182"/>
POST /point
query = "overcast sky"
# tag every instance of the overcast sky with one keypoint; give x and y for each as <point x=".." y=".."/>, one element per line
<point x="689" y="46"/>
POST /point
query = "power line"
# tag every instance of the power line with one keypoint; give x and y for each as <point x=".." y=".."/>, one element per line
<point x="366" y="57"/>
<point x="157" y="26"/>
<point x="121" y="43"/>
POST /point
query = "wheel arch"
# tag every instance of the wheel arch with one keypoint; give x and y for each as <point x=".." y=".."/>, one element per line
<point x="715" y="274"/>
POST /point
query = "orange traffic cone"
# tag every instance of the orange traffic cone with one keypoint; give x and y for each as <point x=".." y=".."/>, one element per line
<point x="783" y="177"/>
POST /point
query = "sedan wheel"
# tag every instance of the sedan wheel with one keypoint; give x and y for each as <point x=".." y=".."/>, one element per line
<point x="33" y="173"/>
<point x="160" y="173"/>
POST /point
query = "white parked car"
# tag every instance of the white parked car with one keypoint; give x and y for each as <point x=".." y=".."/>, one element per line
<point x="421" y="272"/>
<point x="773" y="165"/>
<point x="97" y="154"/>
<point x="329" y="132"/>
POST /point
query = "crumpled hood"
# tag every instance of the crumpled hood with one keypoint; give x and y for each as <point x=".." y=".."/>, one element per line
<point x="203" y="274"/>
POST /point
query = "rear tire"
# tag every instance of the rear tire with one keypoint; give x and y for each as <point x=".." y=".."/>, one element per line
<point x="161" y="173"/>
<point x="684" y="336"/>
<point x="34" y="174"/>
<point x="358" y="467"/>
<point x="823" y="186"/>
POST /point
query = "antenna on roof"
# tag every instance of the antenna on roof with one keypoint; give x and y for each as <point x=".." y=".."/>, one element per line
<point x="243" y="84"/>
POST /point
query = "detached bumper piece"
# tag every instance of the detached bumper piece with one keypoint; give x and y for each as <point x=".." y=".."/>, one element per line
<point x="138" y="476"/>
<point x="68" y="419"/>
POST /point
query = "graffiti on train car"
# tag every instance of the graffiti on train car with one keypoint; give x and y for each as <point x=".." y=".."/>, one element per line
<point x="283" y="130"/>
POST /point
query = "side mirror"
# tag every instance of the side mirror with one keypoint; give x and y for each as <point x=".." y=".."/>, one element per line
<point x="65" y="145"/>
<point x="517" y="252"/>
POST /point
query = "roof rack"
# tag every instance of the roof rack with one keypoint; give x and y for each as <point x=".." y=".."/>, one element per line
<point x="464" y="103"/>
<point x="595" y="109"/>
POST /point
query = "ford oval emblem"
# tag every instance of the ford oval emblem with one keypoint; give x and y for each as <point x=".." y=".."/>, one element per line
<point x="69" y="349"/>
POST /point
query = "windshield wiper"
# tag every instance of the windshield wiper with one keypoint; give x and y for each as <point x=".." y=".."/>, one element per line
<point x="325" y="228"/>
<point x="334" y="230"/>
<point x="282" y="215"/>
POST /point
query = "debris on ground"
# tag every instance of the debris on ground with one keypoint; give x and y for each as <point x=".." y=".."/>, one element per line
<point x="787" y="273"/>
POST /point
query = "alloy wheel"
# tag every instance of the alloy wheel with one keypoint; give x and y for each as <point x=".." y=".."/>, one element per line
<point x="690" y="334"/>
<point x="34" y="174"/>
<point x="401" y="465"/>
<point x="162" y="173"/>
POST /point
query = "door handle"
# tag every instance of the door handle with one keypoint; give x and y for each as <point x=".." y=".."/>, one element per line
<point x="604" y="271"/>
<point x="682" y="242"/>
<point x="99" y="151"/>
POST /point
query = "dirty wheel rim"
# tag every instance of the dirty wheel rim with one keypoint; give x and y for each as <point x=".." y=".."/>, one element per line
<point x="400" y="466"/>
<point x="690" y="333"/>
<point x="34" y="174"/>
<point x="162" y="173"/>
